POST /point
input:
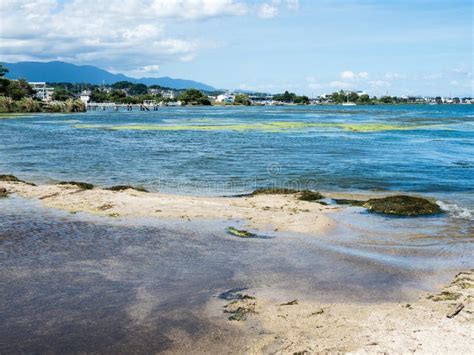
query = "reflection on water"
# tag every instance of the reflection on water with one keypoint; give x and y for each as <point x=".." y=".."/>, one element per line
<point x="76" y="283"/>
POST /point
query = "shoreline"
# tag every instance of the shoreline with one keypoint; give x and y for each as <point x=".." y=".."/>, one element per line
<point x="262" y="212"/>
<point x="275" y="317"/>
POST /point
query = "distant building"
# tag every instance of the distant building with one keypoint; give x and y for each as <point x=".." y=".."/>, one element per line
<point x="43" y="92"/>
<point x="225" y="98"/>
<point x="85" y="96"/>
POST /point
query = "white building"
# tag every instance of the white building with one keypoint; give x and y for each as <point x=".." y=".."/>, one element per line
<point x="225" y="98"/>
<point x="43" y="92"/>
<point x="85" y="96"/>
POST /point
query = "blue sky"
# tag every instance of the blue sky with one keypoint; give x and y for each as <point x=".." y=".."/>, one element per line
<point x="310" y="47"/>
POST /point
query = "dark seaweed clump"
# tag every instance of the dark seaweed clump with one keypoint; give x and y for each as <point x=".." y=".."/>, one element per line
<point x="12" y="178"/>
<point x="81" y="185"/>
<point x="126" y="187"/>
<point x="274" y="191"/>
<point x="3" y="192"/>
<point x="308" y="195"/>
<point x="402" y="205"/>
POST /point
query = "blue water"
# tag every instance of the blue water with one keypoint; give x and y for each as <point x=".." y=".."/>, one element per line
<point x="425" y="149"/>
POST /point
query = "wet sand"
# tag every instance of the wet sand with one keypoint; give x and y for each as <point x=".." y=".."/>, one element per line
<point x="144" y="275"/>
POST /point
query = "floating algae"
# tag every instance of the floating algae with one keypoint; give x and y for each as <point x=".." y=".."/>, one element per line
<point x="240" y="233"/>
<point x="272" y="126"/>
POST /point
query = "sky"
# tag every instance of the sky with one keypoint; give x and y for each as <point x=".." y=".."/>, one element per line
<point x="403" y="47"/>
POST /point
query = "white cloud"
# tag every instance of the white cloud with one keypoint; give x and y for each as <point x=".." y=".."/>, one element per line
<point x="124" y="35"/>
<point x="267" y="11"/>
<point x="341" y="85"/>
<point x="293" y="4"/>
<point x="393" y="76"/>
<point x="379" y="83"/>
<point x="350" y="75"/>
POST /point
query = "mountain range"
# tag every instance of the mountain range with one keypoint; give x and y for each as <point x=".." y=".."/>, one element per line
<point x="60" y="72"/>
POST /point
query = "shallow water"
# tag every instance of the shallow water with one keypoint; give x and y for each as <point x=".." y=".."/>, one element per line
<point x="80" y="283"/>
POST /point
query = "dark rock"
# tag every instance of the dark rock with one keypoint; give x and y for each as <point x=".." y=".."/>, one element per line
<point x="402" y="205"/>
<point x="308" y="195"/>
<point x="12" y="178"/>
<point x="125" y="187"/>
<point x="81" y="185"/>
<point x="3" y="192"/>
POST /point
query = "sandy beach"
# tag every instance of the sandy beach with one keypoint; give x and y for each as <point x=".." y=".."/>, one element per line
<point x="261" y="212"/>
<point x="273" y="320"/>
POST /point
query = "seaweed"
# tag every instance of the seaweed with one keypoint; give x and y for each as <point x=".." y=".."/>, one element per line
<point x="274" y="191"/>
<point x="12" y="178"/>
<point x="308" y="195"/>
<point x="81" y="185"/>
<point x="402" y="205"/>
<point x="240" y="233"/>
<point x="3" y="192"/>
<point x="126" y="187"/>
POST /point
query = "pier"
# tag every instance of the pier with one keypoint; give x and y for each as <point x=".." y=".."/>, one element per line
<point x="110" y="106"/>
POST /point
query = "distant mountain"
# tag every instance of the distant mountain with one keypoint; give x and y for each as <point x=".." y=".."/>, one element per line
<point x="57" y="72"/>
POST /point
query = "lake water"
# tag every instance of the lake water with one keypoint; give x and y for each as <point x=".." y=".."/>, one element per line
<point x="211" y="150"/>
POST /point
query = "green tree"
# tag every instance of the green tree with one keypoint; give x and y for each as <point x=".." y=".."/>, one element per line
<point x="302" y="100"/>
<point x="242" y="99"/>
<point x="61" y="94"/>
<point x="18" y="89"/>
<point x="138" y="89"/>
<point x="3" y="70"/>
<point x="363" y="99"/>
<point x="99" y="95"/>
<point x="193" y="97"/>
<point x="353" y="97"/>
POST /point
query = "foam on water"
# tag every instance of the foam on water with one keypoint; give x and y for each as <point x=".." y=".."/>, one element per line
<point x="456" y="211"/>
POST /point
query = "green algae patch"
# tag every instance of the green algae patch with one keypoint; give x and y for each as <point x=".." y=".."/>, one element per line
<point x="271" y="127"/>
<point x="240" y="233"/>
<point x="81" y="185"/>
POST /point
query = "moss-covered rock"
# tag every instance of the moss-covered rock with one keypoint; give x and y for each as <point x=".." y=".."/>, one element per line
<point x="274" y="191"/>
<point x="126" y="187"/>
<point x="402" y="205"/>
<point x="81" y="185"/>
<point x="3" y="192"/>
<point x="308" y="195"/>
<point x="13" y="178"/>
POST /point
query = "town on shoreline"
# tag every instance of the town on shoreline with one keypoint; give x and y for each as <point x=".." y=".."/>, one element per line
<point x="23" y="96"/>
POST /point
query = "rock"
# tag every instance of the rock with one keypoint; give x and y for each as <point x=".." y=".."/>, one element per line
<point x="125" y="187"/>
<point x="308" y="195"/>
<point x="402" y="205"/>
<point x="12" y="178"/>
<point x="3" y="192"/>
<point x="81" y="185"/>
